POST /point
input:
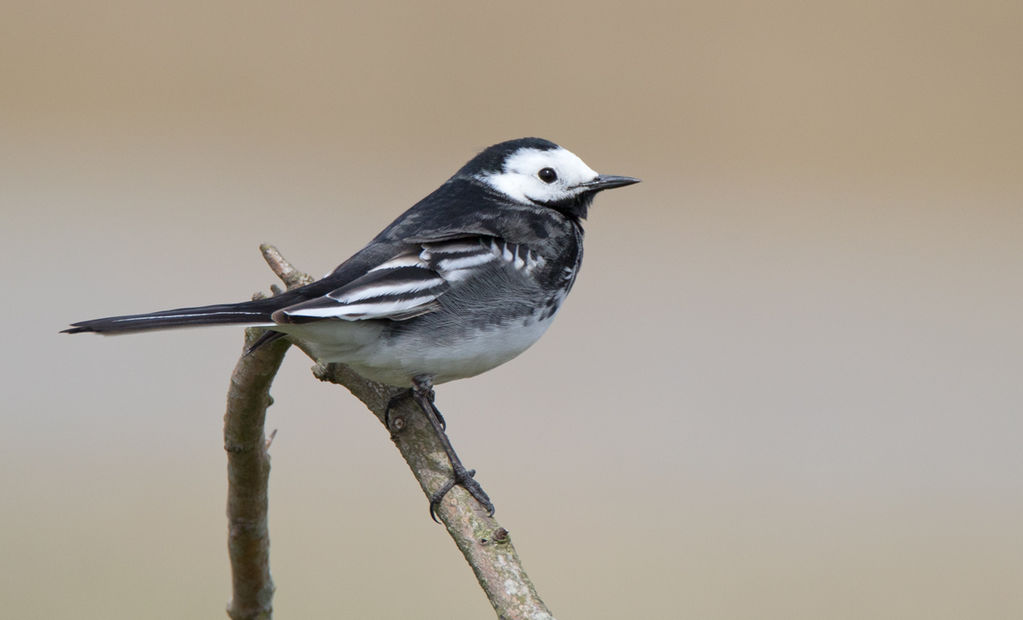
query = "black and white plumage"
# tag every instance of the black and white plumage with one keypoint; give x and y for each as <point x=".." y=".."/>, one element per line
<point x="462" y="282"/>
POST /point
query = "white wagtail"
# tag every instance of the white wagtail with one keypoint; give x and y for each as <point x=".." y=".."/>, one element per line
<point x="465" y="280"/>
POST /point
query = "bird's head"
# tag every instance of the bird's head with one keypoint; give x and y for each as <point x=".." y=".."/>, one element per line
<point x="533" y="171"/>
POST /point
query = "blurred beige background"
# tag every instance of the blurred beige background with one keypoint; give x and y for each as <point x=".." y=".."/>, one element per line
<point x="787" y="384"/>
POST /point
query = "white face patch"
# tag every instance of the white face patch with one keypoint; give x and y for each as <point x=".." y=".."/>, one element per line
<point x="520" y="180"/>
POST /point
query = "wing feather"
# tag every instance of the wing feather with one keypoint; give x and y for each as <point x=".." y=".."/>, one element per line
<point x="405" y="286"/>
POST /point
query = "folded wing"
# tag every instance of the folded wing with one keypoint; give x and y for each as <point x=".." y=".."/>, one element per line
<point x="403" y="287"/>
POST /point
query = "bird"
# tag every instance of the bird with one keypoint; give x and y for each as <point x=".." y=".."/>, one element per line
<point x="465" y="280"/>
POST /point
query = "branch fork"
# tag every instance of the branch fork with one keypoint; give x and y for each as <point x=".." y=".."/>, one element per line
<point x="484" y="543"/>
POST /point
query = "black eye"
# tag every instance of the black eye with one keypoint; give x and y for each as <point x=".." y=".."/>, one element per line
<point x="547" y="175"/>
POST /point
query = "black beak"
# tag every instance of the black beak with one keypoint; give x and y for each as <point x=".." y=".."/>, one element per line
<point x="608" y="181"/>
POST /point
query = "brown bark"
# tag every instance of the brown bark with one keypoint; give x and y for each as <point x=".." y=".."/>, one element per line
<point x="485" y="544"/>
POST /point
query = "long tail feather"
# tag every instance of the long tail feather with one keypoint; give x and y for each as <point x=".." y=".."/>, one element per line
<point x="249" y="312"/>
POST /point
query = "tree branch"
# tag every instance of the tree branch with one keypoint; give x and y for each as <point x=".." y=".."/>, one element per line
<point x="248" y="471"/>
<point x="485" y="544"/>
<point x="248" y="463"/>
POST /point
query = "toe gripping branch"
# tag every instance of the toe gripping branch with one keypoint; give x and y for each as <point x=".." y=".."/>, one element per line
<point x="422" y="394"/>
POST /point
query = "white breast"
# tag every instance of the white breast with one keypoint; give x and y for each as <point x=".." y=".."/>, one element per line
<point x="395" y="361"/>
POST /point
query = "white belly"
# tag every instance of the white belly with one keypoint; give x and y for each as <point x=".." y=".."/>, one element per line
<point x="395" y="359"/>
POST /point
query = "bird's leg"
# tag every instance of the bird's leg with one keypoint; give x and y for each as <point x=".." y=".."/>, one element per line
<point x="403" y="395"/>
<point x="422" y="393"/>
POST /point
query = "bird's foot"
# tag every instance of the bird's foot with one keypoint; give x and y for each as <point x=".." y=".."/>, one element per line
<point x="464" y="478"/>
<point x="422" y="393"/>
<point x="393" y="402"/>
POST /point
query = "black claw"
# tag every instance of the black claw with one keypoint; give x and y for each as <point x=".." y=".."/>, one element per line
<point x="438" y="496"/>
<point x="465" y="479"/>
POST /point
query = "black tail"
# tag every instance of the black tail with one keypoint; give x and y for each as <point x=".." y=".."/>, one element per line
<point x="247" y="312"/>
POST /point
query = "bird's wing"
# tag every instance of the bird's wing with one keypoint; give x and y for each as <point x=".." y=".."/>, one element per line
<point x="405" y="286"/>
